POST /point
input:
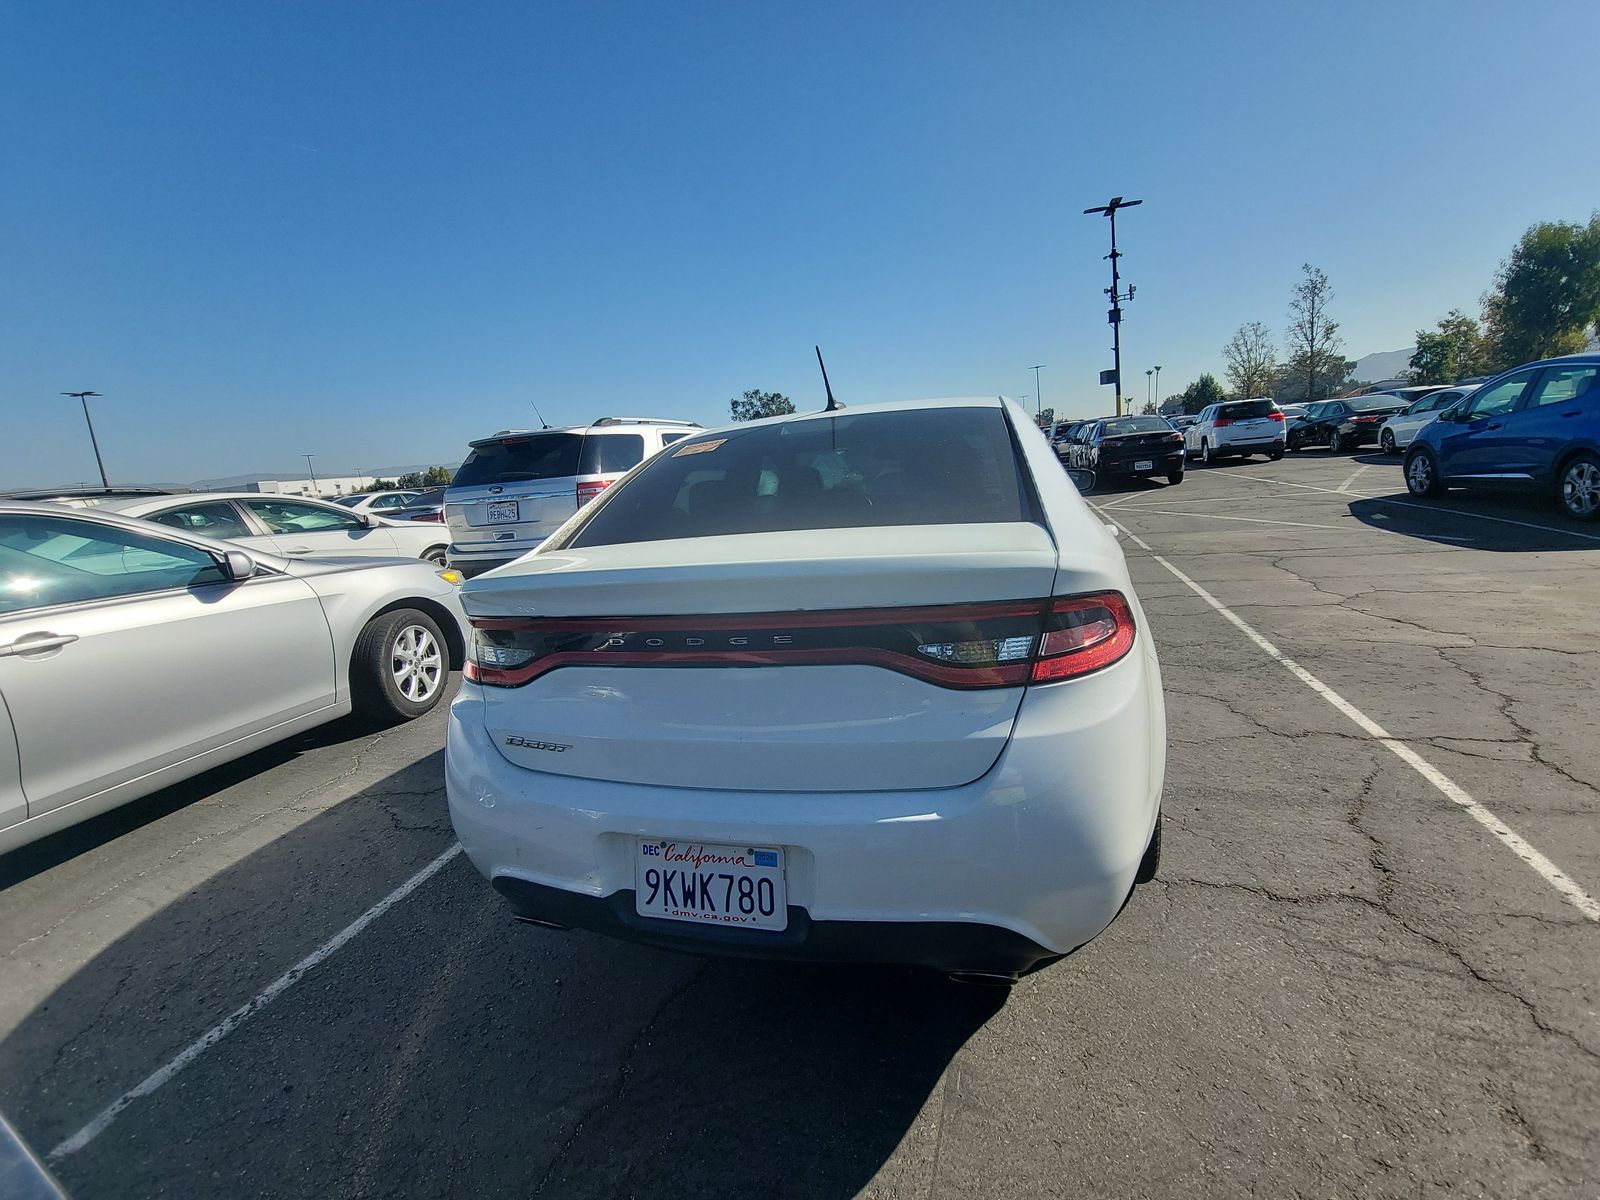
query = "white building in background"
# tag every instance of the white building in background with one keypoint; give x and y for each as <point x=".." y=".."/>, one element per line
<point x="333" y="485"/>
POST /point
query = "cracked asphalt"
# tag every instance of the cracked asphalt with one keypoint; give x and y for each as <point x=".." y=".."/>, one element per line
<point x="1339" y="985"/>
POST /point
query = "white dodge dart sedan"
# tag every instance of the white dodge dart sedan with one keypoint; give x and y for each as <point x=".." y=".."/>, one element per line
<point x="869" y="684"/>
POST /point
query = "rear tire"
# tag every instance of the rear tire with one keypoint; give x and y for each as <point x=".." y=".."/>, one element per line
<point x="1386" y="443"/>
<point x="1422" y="473"/>
<point x="1174" y="478"/>
<point x="1579" y="487"/>
<point x="399" y="667"/>
<point x="1151" y="862"/>
<point x="1276" y="454"/>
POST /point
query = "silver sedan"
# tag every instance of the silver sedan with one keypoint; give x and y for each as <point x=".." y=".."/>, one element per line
<point x="133" y="656"/>
<point x="294" y="526"/>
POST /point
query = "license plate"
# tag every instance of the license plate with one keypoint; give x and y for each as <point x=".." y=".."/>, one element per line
<point x="709" y="884"/>
<point x="1144" y="465"/>
<point x="502" y="510"/>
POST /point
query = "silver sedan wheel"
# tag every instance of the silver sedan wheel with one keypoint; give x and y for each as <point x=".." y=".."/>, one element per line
<point x="416" y="663"/>
<point x="1580" y="488"/>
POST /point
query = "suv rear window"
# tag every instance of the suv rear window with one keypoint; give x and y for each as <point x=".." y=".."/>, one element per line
<point x="1243" y="410"/>
<point x="612" y="453"/>
<point x="939" y="466"/>
<point x="517" y="459"/>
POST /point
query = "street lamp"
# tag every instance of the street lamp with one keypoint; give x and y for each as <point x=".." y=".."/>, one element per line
<point x="1115" y="292"/>
<point x="1037" y="405"/>
<point x="1158" y="386"/>
<point x="83" y="398"/>
<point x="311" y="471"/>
<point x="1149" y="371"/>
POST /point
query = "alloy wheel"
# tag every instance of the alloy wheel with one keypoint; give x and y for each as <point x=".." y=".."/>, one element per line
<point x="1419" y="475"/>
<point x="416" y="663"/>
<point x="1580" y="488"/>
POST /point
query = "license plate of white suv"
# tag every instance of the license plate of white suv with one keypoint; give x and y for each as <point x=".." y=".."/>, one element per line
<point x="740" y="886"/>
<point x="502" y="510"/>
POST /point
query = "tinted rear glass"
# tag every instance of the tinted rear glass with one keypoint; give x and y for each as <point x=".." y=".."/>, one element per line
<point x="1373" y="403"/>
<point x="1124" y="425"/>
<point x="612" y="453"/>
<point x="1243" y="410"/>
<point x="518" y="459"/>
<point x="917" y="467"/>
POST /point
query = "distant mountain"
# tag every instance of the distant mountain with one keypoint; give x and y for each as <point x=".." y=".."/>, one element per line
<point x="1392" y="364"/>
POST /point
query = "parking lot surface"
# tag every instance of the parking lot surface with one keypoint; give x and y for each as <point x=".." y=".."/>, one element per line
<point x="1348" y="979"/>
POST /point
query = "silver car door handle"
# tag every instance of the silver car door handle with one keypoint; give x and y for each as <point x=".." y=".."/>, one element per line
<point x="298" y="550"/>
<point x="32" y="643"/>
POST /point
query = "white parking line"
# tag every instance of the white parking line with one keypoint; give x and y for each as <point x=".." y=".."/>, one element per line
<point x="1462" y="512"/>
<point x="245" y="1011"/>
<point x="1508" y="837"/>
<point x="1166" y="512"/>
<point x="1354" y="475"/>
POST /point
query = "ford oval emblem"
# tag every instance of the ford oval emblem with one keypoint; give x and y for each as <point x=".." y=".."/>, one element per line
<point x="496" y="490"/>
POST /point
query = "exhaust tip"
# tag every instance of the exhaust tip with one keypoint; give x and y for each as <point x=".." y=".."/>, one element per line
<point x="1002" y="979"/>
<point x="544" y="924"/>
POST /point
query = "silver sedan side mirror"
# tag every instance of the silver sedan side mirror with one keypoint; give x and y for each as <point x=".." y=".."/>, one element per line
<point x="238" y="566"/>
<point x="1083" y="480"/>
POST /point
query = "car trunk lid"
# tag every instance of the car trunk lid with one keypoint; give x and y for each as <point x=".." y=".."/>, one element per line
<point x="806" y="660"/>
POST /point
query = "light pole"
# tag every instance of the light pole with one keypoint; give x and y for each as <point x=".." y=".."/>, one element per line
<point x="1158" y="387"/>
<point x="1149" y="371"/>
<point x="1115" y="292"/>
<point x="1038" y="406"/>
<point x="83" y="398"/>
<point x="312" y="471"/>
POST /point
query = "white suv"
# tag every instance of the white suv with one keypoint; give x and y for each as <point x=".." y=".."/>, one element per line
<point x="1238" y="427"/>
<point x="517" y="487"/>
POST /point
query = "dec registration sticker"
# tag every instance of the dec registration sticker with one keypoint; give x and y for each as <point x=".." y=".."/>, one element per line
<point x="711" y="884"/>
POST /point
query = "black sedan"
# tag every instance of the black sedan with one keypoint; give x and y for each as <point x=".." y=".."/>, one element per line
<point x="1127" y="448"/>
<point x="1342" y="425"/>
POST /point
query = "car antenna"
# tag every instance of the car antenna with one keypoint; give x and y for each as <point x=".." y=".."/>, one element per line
<point x="833" y="405"/>
<point x="542" y="422"/>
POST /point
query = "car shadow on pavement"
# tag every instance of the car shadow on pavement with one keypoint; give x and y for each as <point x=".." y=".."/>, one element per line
<point x="447" y="1050"/>
<point x="50" y="852"/>
<point x="1481" y="521"/>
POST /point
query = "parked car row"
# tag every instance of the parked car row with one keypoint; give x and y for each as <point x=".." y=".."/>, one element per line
<point x="1534" y="428"/>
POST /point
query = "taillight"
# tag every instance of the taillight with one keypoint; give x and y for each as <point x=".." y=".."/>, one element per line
<point x="588" y="491"/>
<point x="438" y="516"/>
<point x="1006" y="644"/>
<point x="1174" y="438"/>
<point x="1083" y="634"/>
<point x="1276" y="416"/>
<point x="1364" y="420"/>
<point x="1221" y="421"/>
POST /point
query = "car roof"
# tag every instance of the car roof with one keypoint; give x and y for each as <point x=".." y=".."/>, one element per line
<point x="155" y="503"/>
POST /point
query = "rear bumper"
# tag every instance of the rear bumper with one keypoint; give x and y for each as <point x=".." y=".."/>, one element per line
<point x="1030" y="861"/>
<point x="1161" y="464"/>
<point x="1274" y="441"/>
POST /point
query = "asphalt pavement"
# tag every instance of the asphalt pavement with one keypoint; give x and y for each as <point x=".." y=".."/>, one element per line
<point x="1366" y="967"/>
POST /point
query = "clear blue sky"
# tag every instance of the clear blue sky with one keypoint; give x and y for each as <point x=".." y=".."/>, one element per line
<point x="375" y="230"/>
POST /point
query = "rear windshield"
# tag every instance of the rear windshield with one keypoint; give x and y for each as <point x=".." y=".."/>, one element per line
<point x="938" y="466"/>
<point x="517" y="459"/>
<point x="1124" y="425"/>
<point x="1243" y="410"/>
<point x="1380" y="400"/>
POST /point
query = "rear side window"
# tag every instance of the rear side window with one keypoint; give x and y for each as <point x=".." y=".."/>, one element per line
<point x="519" y="459"/>
<point x="612" y="453"/>
<point x="1243" y="410"/>
<point x="940" y="466"/>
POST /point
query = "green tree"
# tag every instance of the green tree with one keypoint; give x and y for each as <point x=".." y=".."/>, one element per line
<point x="1251" y="362"/>
<point x="1313" y="337"/>
<point x="1149" y="409"/>
<point x="1332" y="377"/>
<point x="1456" y="350"/>
<point x="1046" y="418"/>
<point x="437" y="477"/>
<point x="755" y="404"/>
<point x="1546" y="296"/>
<point x="377" y="485"/>
<point x="1199" y="394"/>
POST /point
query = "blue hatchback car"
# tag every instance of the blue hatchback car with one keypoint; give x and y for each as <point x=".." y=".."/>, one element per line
<point x="1535" y="428"/>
